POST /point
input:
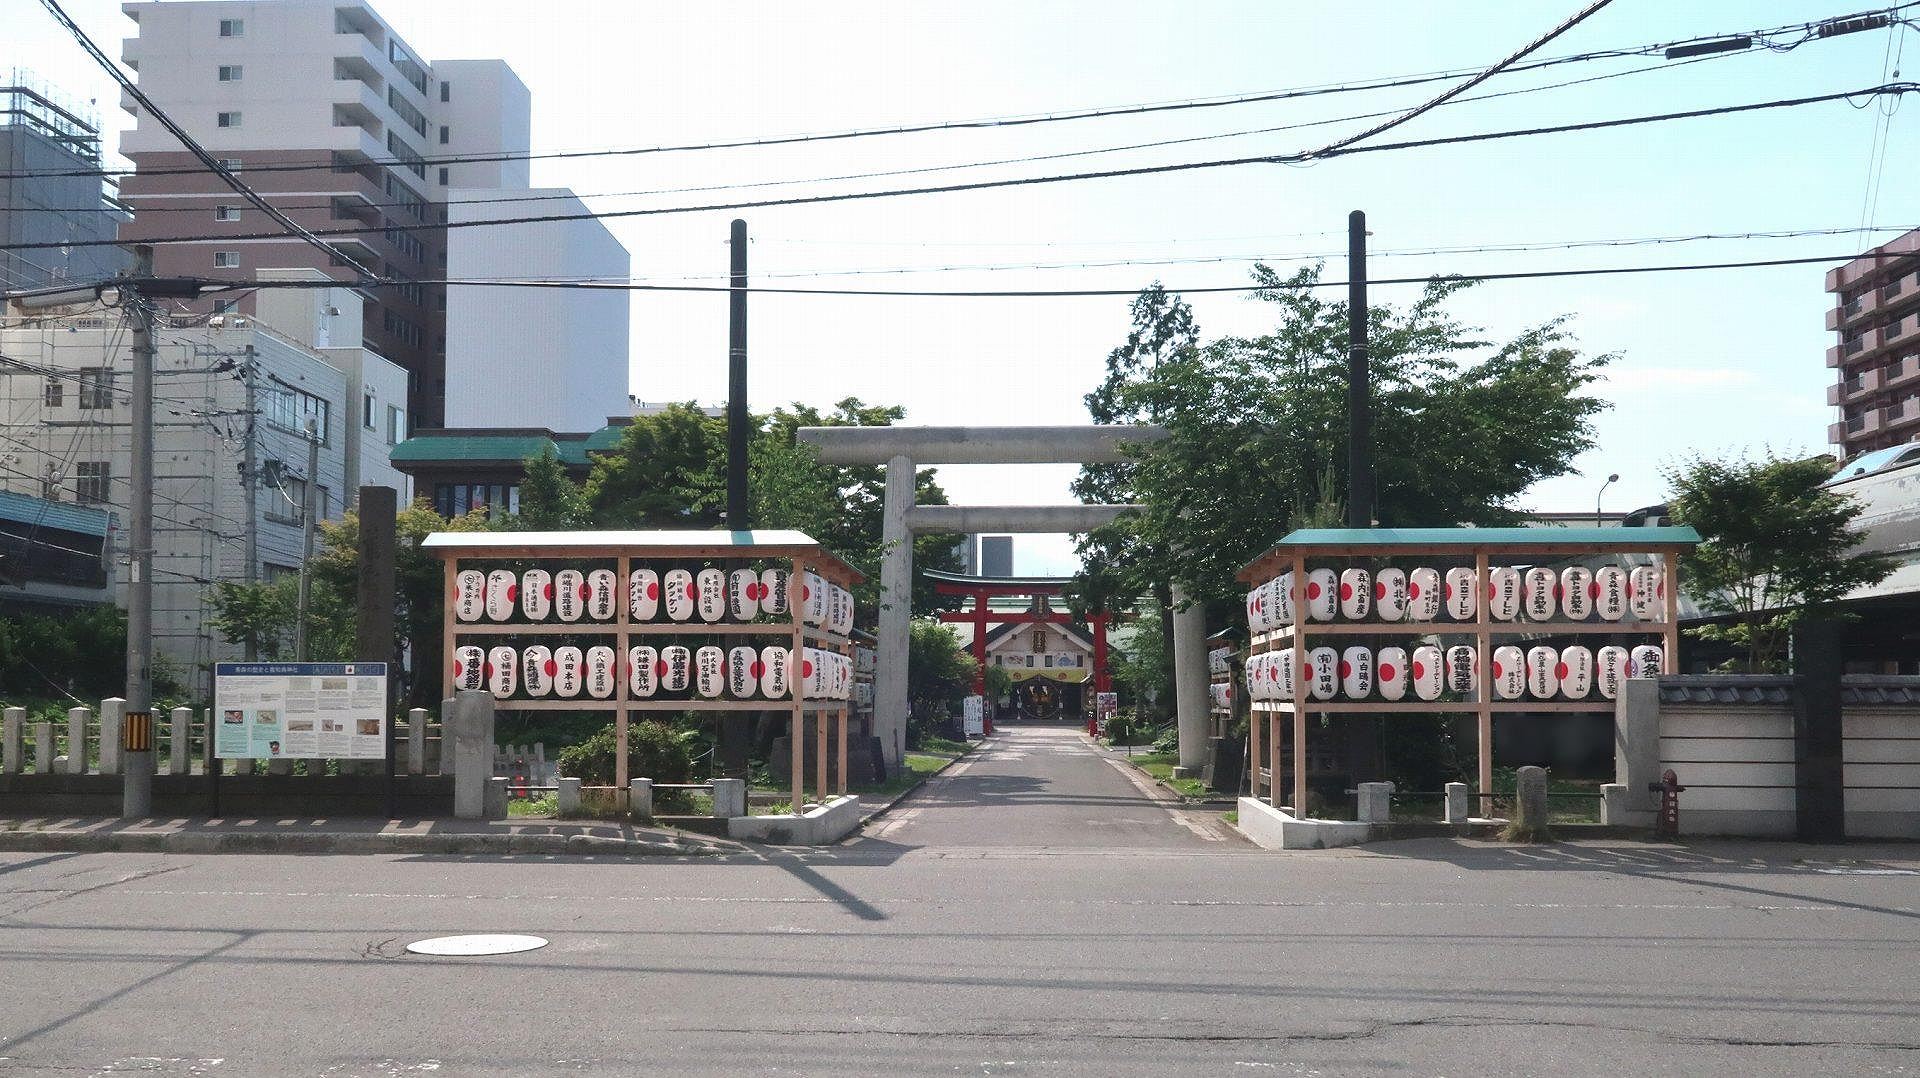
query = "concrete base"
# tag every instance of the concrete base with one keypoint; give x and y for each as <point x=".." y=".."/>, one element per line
<point x="1187" y="772"/>
<point x="1272" y="829"/>
<point x="821" y="826"/>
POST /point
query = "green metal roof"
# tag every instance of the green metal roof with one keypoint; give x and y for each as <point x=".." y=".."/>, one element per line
<point x="514" y="447"/>
<point x="563" y="540"/>
<point x="78" y="519"/>
<point x="1606" y="538"/>
<point x="603" y="440"/>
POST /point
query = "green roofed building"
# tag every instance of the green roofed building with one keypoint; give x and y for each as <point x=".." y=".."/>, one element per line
<point x="459" y="469"/>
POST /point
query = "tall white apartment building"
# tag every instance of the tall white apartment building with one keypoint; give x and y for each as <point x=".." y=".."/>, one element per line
<point x="330" y="114"/>
<point x="65" y="409"/>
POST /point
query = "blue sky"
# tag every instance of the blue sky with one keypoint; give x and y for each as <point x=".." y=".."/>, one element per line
<point x="1709" y="362"/>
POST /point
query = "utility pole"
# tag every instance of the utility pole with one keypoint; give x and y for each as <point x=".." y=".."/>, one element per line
<point x="737" y="382"/>
<point x="1359" y="391"/>
<point x="307" y="494"/>
<point x="249" y="488"/>
<point x="136" y="797"/>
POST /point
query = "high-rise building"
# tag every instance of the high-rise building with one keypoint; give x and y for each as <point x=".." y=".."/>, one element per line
<point x="1876" y="313"/>
<point x="327" y="112"/>
<point x="40" y="137"/>
<point x="996" y="555"/>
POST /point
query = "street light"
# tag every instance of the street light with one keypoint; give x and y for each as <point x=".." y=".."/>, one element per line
<point x="1597" y="515"/>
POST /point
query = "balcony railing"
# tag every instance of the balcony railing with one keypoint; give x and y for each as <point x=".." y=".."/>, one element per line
<point x="1852" y="346"/>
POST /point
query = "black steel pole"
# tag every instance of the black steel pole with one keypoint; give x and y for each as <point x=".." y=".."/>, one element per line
<point x="1359" y="394"/>
<point x="737" y="382"/>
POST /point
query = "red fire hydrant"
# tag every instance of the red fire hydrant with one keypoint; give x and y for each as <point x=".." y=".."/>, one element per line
<point x="1668" y="825"/>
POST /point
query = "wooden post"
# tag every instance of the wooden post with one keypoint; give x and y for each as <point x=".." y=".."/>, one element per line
<point x="448" y="571"/>
<point x="820" y="755"/>
<point x="1483" y="688"/>
<point x="1299" y="700"/>
<point x="1670" y="570"/>
<point x="843" y="750"/>
<point x="797" y="728"/>
<point x="623" y="602"/>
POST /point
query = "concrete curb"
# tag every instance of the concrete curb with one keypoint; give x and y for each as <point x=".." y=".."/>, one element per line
<point x="212" y="842"/>
<point x="916" y="787"/>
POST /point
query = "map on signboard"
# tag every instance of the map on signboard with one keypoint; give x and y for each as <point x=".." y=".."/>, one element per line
<point x="263" y="711"/>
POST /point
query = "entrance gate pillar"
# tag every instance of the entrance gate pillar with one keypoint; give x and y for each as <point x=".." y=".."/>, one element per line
<point x="1190" y="679"/>
<point x="895" y="614"/>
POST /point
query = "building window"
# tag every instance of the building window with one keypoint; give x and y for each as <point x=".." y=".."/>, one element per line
<point x="91" y="478"/>
<point x="226" y="213"/>
<point x="229" y="72"/>
<point x="233" y="28"/>
<point x="396" y="425"/>
<point x="446" y="91"/>
<point x="289" y="409"/>
<point x="226" y="260"/>
<point x="366" y="411"/>
<point x="443" y="177"/>
<point x="56" y="392"/>
<point x="96" y="388"/>
<point x="231" y="164"/>
<point x="223" y="306"/>
<point x="229" y="119"/>
<point x="287" y="508"/>
<point x="445" y="134"/>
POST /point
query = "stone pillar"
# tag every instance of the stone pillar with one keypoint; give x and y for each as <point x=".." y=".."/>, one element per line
<point x="13" y="743"/>
<point x="468" y="724"/>
<point x="495" y="796"/>
<point x="1613" y="804"/>
<point x="1190" y="680"/>
<point x="78" y="719"/>
<point x="1636" y="742"/>
<point x="567" y="798"/>
<point x="895" y="614"/>
<point x="1376" y="802"/>
<point x="180" y="742"/>
<point x="729" y="798"/>
<point x="1530" y="800"/>
<point x="417" y="741"/>
<point x="43" y="748"/>
<point x="1459" y="804"/>
<point x="113" y="715"/>
<point x="280" y="765"/>
<point x="243" y="766"/>
<point x="640" y="798"/>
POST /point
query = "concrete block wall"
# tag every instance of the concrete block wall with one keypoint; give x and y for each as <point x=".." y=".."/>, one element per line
<point x="1737" y="765"/>
<point x="1881" y="762"/>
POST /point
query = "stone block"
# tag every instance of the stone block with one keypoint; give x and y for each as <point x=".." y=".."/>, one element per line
<point x="1530" y="799"/>
<point x="13" y="743"/>
<point x="1459" y="803"/>
<point x="1613" y="804"/>
<point x="568" y="797"/>
<point x="113" y="716"/>
<point x="496" y="799"/>
<point x="729" y="798"/>
<point x="640" y="798"/>
<point x="180" y="741"/>
<point x="468" y="724"/>
<point x="1376" y="802"/>
<point x="243" y="767"/>
<point x="43" y="748"/>
<point x="417" y="741"/>
<point x="78" y="719"/>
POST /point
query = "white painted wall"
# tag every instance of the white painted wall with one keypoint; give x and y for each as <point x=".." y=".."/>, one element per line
<point x="488" y="111"/>
<point x="534" y="357"/>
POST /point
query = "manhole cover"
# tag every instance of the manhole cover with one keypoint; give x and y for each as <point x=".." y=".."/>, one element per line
<point x="472" y="946"/>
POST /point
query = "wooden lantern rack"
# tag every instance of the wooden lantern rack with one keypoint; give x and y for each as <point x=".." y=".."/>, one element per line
<point x="628" y="550"/>
<point x="1483" y="548"/>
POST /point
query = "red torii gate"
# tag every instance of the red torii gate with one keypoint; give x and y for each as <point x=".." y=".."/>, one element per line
<point x="980" y="589"/>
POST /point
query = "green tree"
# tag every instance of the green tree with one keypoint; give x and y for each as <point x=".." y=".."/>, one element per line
<point x="669" y="471"/>
<point x="549" y="499"/>
<point x="939" y="671"/>
<point x="1462" y="426"/>
<point x="1777" y="547"/>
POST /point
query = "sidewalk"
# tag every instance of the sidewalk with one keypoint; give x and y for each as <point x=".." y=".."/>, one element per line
<point x="351" y="835"/>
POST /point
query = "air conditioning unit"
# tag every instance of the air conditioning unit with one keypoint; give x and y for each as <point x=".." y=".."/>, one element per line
<point x="217" y="320"/>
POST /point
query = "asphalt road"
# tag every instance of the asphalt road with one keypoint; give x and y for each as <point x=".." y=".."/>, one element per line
<point x="1026" y="916"/>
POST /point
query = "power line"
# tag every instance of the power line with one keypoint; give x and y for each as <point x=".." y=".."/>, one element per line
<point x="1895" y="88"/>
<point x="199" y="152"/>
<point x="1763" y="36"/>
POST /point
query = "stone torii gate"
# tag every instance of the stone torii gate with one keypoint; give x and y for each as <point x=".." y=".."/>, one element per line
<point x="903" y="450"/>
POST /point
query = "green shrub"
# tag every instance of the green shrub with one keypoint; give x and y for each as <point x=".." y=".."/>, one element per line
<point x="654" y="751"/>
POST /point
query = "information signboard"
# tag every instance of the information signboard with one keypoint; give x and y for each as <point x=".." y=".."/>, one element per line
<point x="975" y="715"/>
<point x="262" y="711"/>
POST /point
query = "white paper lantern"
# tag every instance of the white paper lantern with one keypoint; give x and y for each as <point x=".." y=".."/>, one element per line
<point x="1282" y="674"/>
<point x="1426" y="672"/>
<point x="469" y="667"/>
<point x="643" y="671"/>
<point x="1645" y="661"/>
<point x="1324" y="664"/>
<point x="1575" y="672"/>
<point x="1356" y="672"/>
<point x="678" y="595"/>
<point x="1503" y="593"/>
<point x="813" y="594"/>
<point x="1219" y="696"/>
<point x="503" y="588"/>
<point x="569" y="594"/>
<point x="1259" y="608"/>
<point x="678" y="662"/>
<point x="469" y="594"/>
<point x="1356" y="594"/>
<point x="1258" y="683"/>
<point x="1576" y="592"/>
<point x="743" y="595"/>
<point x="600" y="674"/>
<point x="503" y="669"/>
<point x="1610" y="670"/>
<point x="743" y="666"/>
<point x="773" y="590"/>
<point x="1390" y="594"/>
<point x="710" y="593"/>
<point x="536" y="669"/>
<point x="1462" y="669"/>
<point x="810" y="674"/>
<point x="536" y="594"/>
<point x="567" y="672"/>
<point x="1610" y="592"/>
<point x="1390" y="672"/>
<point x="1322" y="594"/>
<point x="1543" y="679"/>
<point x="773" y="672"/>
<point x="710" y="671"/>
<point x="844" y="623"/>
<point x="1646" y="593"/>
<point x="1283" y="599"/>
<point x="1539" y="591"/>
<point x="1425" y="595"/>
<point x="1509" y="673"/>
<point x="1463" y="594"/>
<point x="643" y="594"/>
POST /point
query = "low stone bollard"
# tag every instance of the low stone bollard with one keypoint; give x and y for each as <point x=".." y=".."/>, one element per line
<point x="496" y="799"/>
<point x="567" y="797"/>
<point x="78" y="719"/>
<point x="1613" y="804"/>
<point x="1376" y="802"/>
<point x="1529" y="822"/>
<point x="417" y="741"/>
<point x="13" y="743"/>
<point x="113" y="716"/>
<point x="43" y="748"/>
<point x="179" y="740"/>
<point x="640" y="798"/>
<point x="243" y="767"/>
<point x="1459" y="810"/>
<point x="468" y="725"/>
<point x="729" y="798"/>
